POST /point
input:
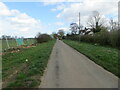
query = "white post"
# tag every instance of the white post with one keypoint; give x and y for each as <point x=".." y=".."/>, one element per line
<point x="7" y="42"/>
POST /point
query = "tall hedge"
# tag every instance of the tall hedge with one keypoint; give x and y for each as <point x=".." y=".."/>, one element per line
<point x="102" y="38"/>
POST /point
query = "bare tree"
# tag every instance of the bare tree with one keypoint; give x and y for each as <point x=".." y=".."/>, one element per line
<point x="96" y="21"/>
<point x="113" y="25"/>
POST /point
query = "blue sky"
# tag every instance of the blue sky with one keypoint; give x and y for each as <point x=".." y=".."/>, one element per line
<point x="36" y="10"/>
<point x="28" y="18"/>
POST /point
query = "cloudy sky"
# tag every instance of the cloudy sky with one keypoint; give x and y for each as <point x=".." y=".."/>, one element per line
<point x="45" y="16"/>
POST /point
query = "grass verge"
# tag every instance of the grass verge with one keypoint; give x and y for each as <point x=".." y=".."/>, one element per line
<point x="106" y="57"/>
<point x="24" y="69"/>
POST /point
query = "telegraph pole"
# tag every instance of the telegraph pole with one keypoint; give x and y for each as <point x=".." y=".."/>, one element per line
<point x="119" y="15"/>
<point x="79" y="26"/>
<point x="79" y="21"/>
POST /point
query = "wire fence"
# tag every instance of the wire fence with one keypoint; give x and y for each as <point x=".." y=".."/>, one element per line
<point x="12" y="43"/>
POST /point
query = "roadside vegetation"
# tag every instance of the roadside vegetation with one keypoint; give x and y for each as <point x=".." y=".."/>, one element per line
<point x="99" y="40"/>
<point x="43" y="38"/>
<point x="23" y="66"/>
<point x="23" y="69"/>
<point x="107" y="57"/>
<point x="103" y="38"/>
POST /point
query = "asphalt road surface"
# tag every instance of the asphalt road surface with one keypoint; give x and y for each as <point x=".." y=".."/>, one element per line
<point x="67" y="68"/>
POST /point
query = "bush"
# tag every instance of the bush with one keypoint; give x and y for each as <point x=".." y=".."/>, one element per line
<point x="87" y="38"/>
<point x="114" y="38"/>
<point x="102" y="38"/>
<point x="72" y="37"/>
<point x="43" y="38"/>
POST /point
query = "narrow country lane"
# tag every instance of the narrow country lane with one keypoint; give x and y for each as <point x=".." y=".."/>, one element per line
<point x="67" y="68"/>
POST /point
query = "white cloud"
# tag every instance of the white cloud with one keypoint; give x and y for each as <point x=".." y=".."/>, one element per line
<point x="91" y="2"/>
<point x="14" y="22"/>
<point x="59" y="23"/>
<point x="105" y="7"/>
<point x="65" y="29"/>
<point x="54" y="2"/>
<point x="59" y="7"/>
<point x="4" y="11"/>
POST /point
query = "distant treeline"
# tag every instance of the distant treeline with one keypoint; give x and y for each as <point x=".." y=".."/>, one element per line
<point x="12" y="37"/>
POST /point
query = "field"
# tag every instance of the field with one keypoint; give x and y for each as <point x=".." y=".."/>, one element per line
<point x="107" y="57"/>
<point x="12" y="43"/>
<point x="24" y="68"/>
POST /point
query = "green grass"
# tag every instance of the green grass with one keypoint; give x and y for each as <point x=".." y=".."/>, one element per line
<point x="107" y="57"/>
<point x="29" y="72"/>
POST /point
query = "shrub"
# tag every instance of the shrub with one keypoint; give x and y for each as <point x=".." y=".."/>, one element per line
<point x="87" y="38"/>
<point x="102" y="38"/>
<point x="43" y="38"/>
<point x="72" y="37"/>
<point x="114" y="38"/>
